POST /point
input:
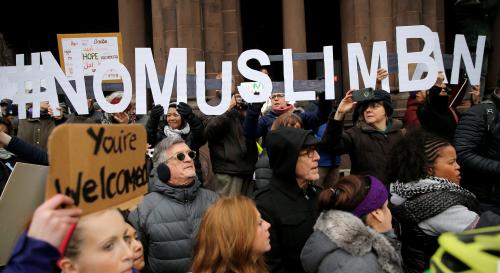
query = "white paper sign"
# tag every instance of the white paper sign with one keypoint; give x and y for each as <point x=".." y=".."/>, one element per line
<point x="96" y="48"/>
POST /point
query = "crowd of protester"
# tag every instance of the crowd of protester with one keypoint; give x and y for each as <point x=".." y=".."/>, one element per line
<point x="275" y="201"/>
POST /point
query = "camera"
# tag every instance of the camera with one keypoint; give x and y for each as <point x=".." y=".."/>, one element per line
<point x="363" y="94"/>
<point x="241" y="104"/>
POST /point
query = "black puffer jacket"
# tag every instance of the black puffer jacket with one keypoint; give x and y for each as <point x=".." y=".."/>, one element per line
<point x="290" y="210"/>
<point x="478" y="152"/>
<point x="368" y="148"/>
<point x="167" y="222"/>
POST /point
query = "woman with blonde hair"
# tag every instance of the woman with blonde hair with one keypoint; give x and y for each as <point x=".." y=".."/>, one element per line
<point x="232" y="238"/>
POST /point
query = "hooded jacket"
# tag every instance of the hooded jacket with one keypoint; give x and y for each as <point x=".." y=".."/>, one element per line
<point x="290" y="210"/>
<point x="167" y="223"/>
<point x="341" y="242"/>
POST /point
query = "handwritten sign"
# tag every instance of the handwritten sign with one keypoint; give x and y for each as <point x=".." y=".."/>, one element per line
<point x="96" y="49"/>
<point x="99" y="166"/>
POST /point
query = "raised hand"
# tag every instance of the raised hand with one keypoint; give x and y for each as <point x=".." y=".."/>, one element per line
<point x="346" y="105"/>
<point x="51" y="223"/>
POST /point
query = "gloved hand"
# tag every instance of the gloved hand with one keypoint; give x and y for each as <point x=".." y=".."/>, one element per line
<point x="184" y="110"/>
<point x="256" y="106"/>
<point x="156" y="112"/>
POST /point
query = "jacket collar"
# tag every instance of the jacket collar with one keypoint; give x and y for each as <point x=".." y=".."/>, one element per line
<point x="349" y="233"/>
<point x="292" y="190"/>
<point x="181" y="194"/>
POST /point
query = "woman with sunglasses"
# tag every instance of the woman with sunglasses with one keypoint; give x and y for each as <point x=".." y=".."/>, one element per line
<point x="168" y="218"/>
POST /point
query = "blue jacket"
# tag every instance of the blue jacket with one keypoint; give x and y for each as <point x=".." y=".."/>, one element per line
<point x="255" y="127"/>
<point x="34" y="256"/>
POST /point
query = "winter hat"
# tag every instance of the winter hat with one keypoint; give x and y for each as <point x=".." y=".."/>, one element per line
<point x="378" y="95"/>
<point x="375" y="199"/>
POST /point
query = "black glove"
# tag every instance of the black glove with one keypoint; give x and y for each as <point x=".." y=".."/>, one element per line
<point x="184" y="110"/>
<point x="156" y="112"/>
<point x="256" y="106"/>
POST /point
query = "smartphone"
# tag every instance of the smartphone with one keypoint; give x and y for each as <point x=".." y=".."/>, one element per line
<point x="363" y="94"/>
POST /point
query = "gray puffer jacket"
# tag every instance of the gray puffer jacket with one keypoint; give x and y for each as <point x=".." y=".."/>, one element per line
<point x="167" y="223"/>
<point x="342" y="243"/>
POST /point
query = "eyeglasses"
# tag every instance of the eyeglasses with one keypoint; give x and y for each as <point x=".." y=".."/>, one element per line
<point x="309" y="151"/>
<point x="182" y="155"/>
<point x="277" y="95"/>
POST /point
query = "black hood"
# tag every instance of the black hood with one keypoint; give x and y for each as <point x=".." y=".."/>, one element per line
<point x="283" y="147"/>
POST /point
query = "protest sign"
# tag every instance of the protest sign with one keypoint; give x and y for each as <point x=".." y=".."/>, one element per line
<point x="96" y="49"/>
<point x="176" y="74"/>
<point x="22" y="194"/>
<point x="99" y="166"/>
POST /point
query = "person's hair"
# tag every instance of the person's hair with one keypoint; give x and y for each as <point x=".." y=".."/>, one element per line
<point x="225" y="239"/>
<point x="72" y="250"/>
<point x="413" y="155"/>
<point x="346" y="194"/>
<point x="287" y="119"/>
<point x="7" y="124"/>
<point x="160" y="153"/>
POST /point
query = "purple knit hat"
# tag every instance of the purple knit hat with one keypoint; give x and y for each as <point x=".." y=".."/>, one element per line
<point x="375" y="198"/>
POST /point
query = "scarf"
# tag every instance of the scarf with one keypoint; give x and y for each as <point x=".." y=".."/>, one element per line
<point x="180" y="132"/>
<point x="282" y="110"/>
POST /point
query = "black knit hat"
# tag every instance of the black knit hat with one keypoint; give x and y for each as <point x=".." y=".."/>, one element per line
<point x="378" y="95"/>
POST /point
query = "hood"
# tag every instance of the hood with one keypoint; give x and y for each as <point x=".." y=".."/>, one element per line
<point x="283" y="147"/>
<point x="335" y="230"/>
<point x="181" y="194"/>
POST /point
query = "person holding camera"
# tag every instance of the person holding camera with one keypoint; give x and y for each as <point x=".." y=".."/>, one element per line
<point x="436" y="115"/>
<point x="256" y="126"/>
<point x="371" y="139"/>
<point x="232" y="154"/>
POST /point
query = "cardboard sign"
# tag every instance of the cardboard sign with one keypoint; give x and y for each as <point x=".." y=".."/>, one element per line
<point x="22" y="194"/>
<point x="99" y="166"/>
<point x="96" y="49"/>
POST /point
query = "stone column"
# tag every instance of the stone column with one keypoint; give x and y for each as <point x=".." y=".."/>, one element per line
<point x="347" y="33"/>
<point x="132" y="27"/>
<point x="164" y="20"/>
<point x="493" y="75"/>
<point x="382" y="28"/>
<point x="294" y="33"/>
<point x="233" y="42"/>
<point x="213" y="32"/>
<point x="433" y="17"/>
<point x="185" y="31"/>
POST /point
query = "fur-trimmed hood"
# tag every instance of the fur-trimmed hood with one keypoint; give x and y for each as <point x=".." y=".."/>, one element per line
<point x="341" y="242"/>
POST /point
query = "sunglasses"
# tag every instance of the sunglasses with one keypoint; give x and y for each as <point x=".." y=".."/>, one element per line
<point x="182" y="155"/>
<point x="277" y="95"/>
